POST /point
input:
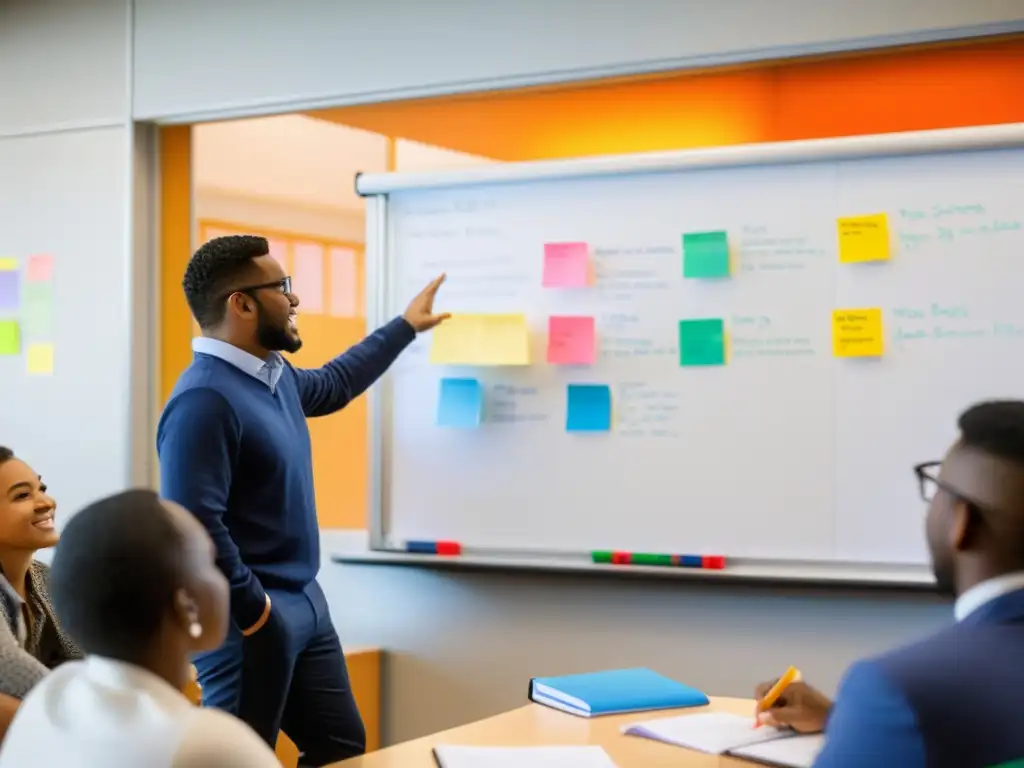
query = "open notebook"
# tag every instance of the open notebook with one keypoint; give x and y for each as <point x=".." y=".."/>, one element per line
<point x="447" y="756"/>
<point x="723" y="734"/>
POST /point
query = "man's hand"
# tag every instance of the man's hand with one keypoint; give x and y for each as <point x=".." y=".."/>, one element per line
<point x="420" y="314"/>
<point x="800" y="707"/>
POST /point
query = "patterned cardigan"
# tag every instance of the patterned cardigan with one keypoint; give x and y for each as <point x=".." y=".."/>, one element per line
<point x="45" y="644"/>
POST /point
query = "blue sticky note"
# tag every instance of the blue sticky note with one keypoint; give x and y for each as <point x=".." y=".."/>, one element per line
<point x="589" y="408"/>
<point x="8" y="289"/>
<point x="461" y="403"/>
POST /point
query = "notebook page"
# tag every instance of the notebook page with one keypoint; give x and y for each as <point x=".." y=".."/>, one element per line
<point x="797" y="752"/>
<point x="713" y="732"/>
<point x="516" y="757"/>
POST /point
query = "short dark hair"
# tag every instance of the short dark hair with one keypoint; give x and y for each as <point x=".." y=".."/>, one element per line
<point x="995" y="427"/>
<point x="212" y="271"/>
<point x="115" y="572"/>
<point x="6" y="454"/>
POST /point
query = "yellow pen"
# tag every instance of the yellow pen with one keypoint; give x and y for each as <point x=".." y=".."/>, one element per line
<point x="776" y="690"/>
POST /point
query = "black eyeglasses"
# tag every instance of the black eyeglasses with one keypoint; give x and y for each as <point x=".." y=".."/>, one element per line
<point x="284" y="286"/>
<point x="928" y="482"/>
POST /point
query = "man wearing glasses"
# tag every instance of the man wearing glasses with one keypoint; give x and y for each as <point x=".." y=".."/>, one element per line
<point x="234" y="449"/>
<point x="952" y="699"/>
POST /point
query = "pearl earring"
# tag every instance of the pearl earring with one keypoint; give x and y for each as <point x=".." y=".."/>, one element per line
<point x="195" y="629"/>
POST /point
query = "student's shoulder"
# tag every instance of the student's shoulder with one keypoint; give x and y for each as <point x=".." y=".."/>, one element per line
<point x="215" y="739"/>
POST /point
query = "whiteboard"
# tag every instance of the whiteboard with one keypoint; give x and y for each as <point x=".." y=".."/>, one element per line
<point x="785" y="454"/>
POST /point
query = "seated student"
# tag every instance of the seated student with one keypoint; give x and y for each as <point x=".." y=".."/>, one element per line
<point x="135" y="582"/>
<point x="31" y="640"/>
<point x="951" y="699"/>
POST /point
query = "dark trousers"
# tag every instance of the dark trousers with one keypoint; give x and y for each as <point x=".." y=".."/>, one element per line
<point x="291" y="676"/>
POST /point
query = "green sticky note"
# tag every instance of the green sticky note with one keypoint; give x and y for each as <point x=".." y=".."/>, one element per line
<point x="37" y="320"/>
<point x="706" y="254"/>
<point x="37" y="292"/>
<point x="701" y="342"/>
<point x="10" y="339"/>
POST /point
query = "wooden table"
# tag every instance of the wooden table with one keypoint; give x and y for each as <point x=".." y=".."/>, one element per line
<point x="534" y="725"/>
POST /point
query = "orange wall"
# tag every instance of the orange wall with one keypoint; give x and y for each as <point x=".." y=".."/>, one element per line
<point x="910" y="89"/>
<point x="968" y="84"/>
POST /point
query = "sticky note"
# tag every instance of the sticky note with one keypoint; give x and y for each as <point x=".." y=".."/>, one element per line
<point x="8" y="264"/>
<point x="701" y="342"/>
<point x="857" y="333"/>
<point x="706" y="255"/>
<point x="460" y="403"/>
<point x="40" y="267"/>
<point x="588" y="408"/>
<point x="10" y="338"/>
<point x="8" y="290"/>
<point x="863" y="238"/>
<point x="40" y="358"/>
<point x="37" y="321"/>
<point x="343" y="293"/>
<point x="571" y="340"/>
<point x="566" y="265"/>
<point x="479" y="339"/>
<point x="308" y="277"/>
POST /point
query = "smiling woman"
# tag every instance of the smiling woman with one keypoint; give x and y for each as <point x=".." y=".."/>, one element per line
<point x="31" y="640"/>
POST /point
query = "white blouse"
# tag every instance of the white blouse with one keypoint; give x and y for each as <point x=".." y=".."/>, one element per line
<point x="100" y="713"/>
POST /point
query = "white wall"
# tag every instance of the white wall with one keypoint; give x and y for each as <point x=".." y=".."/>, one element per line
<point x="212" y="57"/>
<point x="67" y="183"/>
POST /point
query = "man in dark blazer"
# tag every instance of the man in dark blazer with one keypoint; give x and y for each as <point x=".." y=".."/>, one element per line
<point x="955" y="698"/>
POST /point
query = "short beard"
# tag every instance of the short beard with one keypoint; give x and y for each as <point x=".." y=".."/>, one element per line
<point x="273" y="337"/>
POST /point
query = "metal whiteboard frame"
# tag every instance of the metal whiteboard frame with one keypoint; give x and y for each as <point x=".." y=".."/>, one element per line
<point x="380" y="306"/>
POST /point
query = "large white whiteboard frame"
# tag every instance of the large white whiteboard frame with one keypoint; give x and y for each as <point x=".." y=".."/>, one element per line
<point x="376" y="188"/>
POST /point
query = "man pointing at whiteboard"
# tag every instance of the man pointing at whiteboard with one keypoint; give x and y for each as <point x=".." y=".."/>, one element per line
<point x="234" y="449"/>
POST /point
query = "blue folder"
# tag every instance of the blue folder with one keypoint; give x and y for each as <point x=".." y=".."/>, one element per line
<point x="614" y="691"/>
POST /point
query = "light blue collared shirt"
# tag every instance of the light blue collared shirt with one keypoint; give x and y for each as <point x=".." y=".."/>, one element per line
<point x="268" y="371"/>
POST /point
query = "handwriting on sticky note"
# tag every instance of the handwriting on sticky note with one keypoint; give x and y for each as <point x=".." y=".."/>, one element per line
<point x="460" y="403"/>
<point x="479" y="339"/>
<point x="705" y="255"/>
<point x="10" y="337"/>
<point x="566" y="265"/>
<point x="39" y="268"/>
<point x="857" y="333"/>
<point x="863" y="238"/>
<point x="40" y="359"/>
<point x="588" y="408"/>
<point x="571" y="340"/>
<point x="701" y="342"/>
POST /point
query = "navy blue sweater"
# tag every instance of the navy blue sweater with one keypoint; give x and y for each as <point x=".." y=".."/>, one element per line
<point x="238" y="457"/>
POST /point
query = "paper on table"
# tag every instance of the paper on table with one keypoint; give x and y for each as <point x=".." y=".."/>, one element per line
<point x="795" y="752"/>
<point x="308" y="277"/>
<point x="518" y="757"/>
<point x="469" y="339"/>
<point x="714" y="732"/>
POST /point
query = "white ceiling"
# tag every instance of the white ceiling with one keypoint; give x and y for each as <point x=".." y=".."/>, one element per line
<point x="303" y="161"/>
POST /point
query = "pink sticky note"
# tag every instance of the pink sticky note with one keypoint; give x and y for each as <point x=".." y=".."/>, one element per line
<point x="571" y="340"/>
<point x="566" y="265"/>
<point x="39" y="268"/>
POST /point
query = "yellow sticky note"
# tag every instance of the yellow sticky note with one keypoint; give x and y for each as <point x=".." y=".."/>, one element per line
<point x="863" y="238"/>
<point x="8" y="264"/>
<point x="478" y="339"/>
<point x="857" y="333"/>
<point x="40" y="358"/>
